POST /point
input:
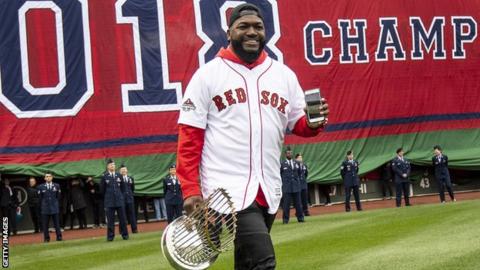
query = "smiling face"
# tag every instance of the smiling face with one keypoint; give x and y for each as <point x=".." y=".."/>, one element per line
<point x="247" y="36"/>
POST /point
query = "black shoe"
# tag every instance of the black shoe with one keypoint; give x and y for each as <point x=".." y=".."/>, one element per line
<point x="125" y="237"/>
<point x="46" y="240"/>
<point x="307" y="214"/>
<point x="134" y="231"/>
<point x="408" y="204"/>
<point x="360" y="209"/>
<point x="285" y="221"/>
<point x="59" y="239"/>
<point x="109" y="239"/>
<point x="347" y="210"/>
<point x="301" y="220"/>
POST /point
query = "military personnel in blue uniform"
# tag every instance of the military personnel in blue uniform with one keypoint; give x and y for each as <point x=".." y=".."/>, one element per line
<point x="291" y="187"/>
<point x="129" y="200"/>
<point x="440" y="163"/>
<point x="351" y="181"/>
<point x="112" y="188"/>
<point x="303" y="183"/>
<point x="49" y="194"/>
<point x="401" y="170"/>
<point x="173" y="195"/>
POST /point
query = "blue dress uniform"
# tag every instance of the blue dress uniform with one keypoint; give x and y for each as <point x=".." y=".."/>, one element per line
<point x="304" y="188"/>
<point x="130" y="202"/>
<point x="401" y="166"/>
<point x="49" y="194"/>
<point x="173" y="197"/>
<point x="112" y="187"/>
<point x="291" y="188"/>
<point x="440" y="163"/>
<point x="351" y="181"/>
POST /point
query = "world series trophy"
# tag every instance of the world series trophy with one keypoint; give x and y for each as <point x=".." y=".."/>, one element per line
<point x="194" y="242"/>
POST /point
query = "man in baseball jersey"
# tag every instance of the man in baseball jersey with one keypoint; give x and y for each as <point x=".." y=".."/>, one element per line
<point x="235" y="112"/>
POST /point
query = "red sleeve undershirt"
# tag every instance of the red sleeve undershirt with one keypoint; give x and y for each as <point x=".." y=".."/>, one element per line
<point x="189" y="153"/>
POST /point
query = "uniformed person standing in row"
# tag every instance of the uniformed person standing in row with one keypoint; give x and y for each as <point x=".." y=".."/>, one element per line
<point x="112" y="188"/>
<point x="351" y="181"/>
<point x="34" y="204"/>
<point x="173" y="195"/>
<point x="49" y="194"/>
<point x="290" y="173"/>
<point x="401" y="170"/>
<point x="303" y="183"/>
<point x="440" y="163"/>
<point x="129" y="200"/>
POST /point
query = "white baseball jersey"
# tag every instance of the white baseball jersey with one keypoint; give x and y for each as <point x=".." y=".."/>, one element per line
<point x="245" y="113"/>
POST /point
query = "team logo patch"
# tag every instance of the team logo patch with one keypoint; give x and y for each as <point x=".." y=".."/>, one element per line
<point x="188" y="106"/>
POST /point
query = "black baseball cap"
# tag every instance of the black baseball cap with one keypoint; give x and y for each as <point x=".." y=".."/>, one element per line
<point x="243" y="10"/>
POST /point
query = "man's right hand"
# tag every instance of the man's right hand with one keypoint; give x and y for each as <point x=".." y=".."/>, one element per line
<point x="191" y="203"/>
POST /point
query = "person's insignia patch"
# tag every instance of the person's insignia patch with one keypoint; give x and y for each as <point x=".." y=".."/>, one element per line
<point x="188" y="106"/>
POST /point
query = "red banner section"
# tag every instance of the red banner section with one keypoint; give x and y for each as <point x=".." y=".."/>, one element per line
<point x="90" y="78"/>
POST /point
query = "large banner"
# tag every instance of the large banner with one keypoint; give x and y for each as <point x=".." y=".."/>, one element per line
<point x="83" y="80"/>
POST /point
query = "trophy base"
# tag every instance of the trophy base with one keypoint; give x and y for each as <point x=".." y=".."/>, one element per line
<point x="172" y="254"/>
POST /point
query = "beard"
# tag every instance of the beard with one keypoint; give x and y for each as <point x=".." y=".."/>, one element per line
<point x="248" y="57"/>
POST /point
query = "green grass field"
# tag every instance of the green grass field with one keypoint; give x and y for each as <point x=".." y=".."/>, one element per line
<point x="421" y="237"/>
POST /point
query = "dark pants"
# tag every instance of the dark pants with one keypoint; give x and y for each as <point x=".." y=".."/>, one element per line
<point x="385" y="185"/>
<point x="142" y="202"/>
<point x="36" y="217"/>
<point x="287" y="200"/>
<point x="111" y="222"/>
<point x="402" y="187"/>
<point x="253" y="245"/>
<point x="10" y="212"/>
<point x="98" y="212"/>
<point x="82" y="218"/>
<point x="67" y="214"/>
<point x="356" y="195"/>
<point x="131" y="216"/>
<point x="173" y="211"/>
<point x="304" y="198"/>
<point x="325" y="190"/>
<point x="56" y="224"/>
<point x="442" y="183"/>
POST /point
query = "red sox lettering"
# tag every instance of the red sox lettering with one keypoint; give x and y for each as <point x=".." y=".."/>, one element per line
<point x="274" y="99"/>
